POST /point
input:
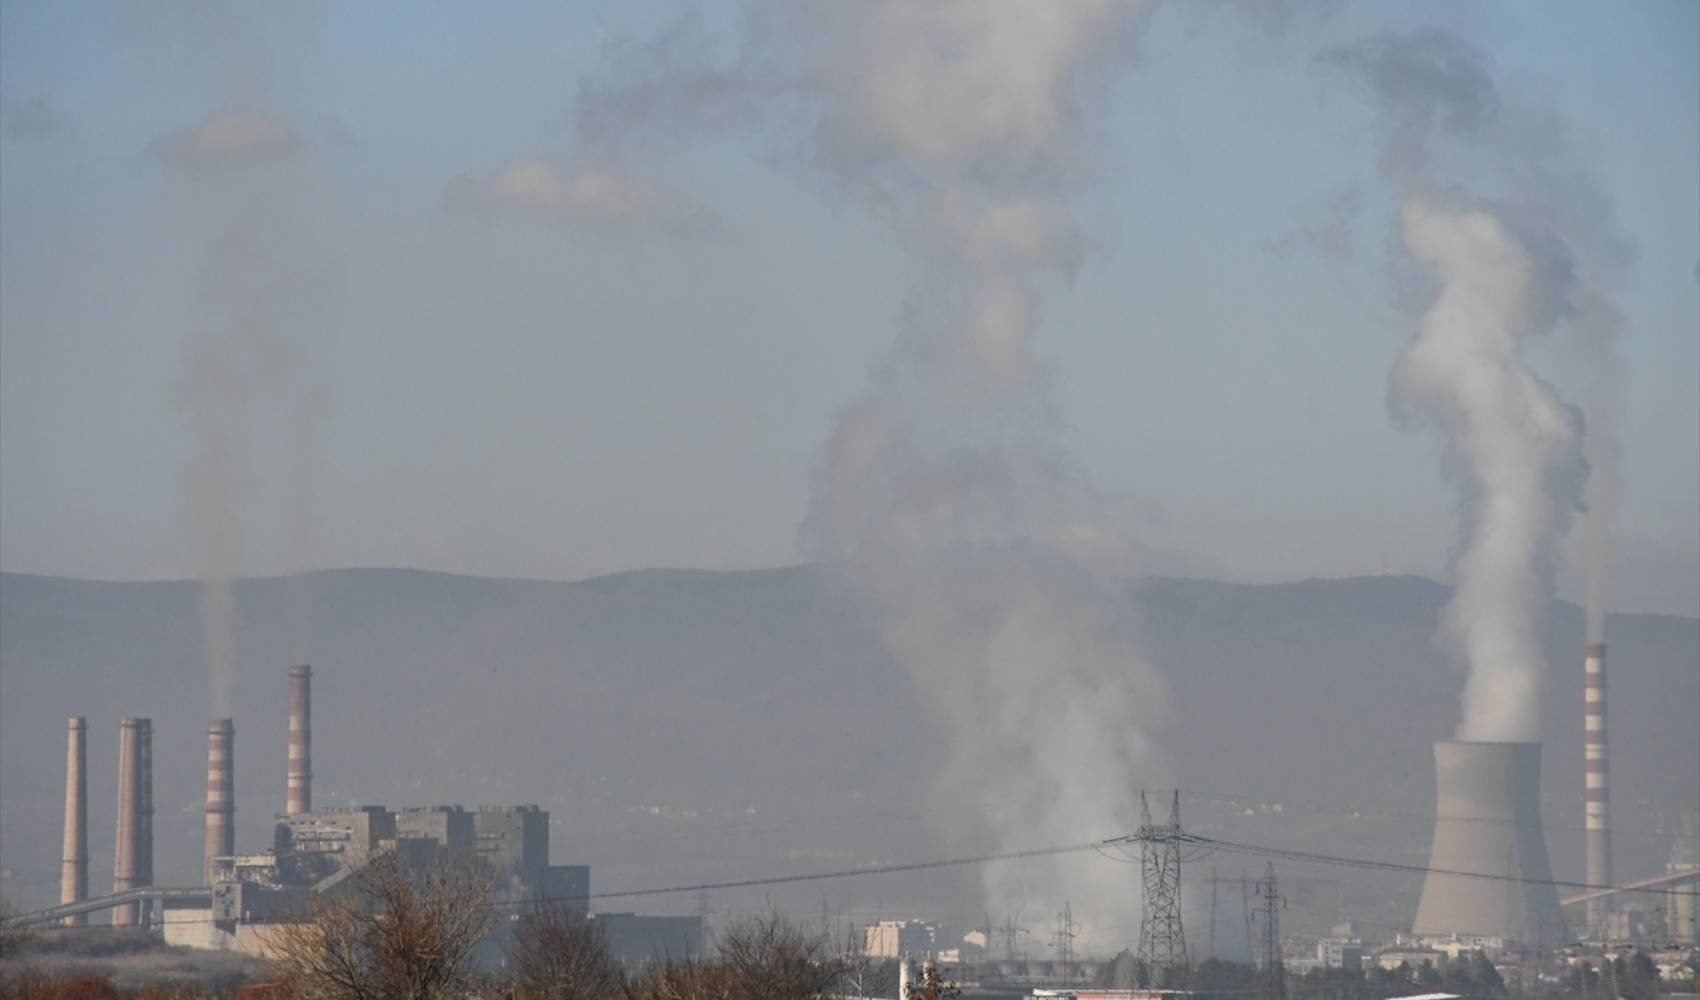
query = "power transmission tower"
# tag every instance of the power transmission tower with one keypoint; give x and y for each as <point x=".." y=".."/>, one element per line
<point x="1064" y="943"/>
<point x="1274" y="976"/>
<point x="1009" y="931"/>
<point x="1210" y="952"/>
<point x="1162" y="940"/>
<point x="703" y="909"/>
<point x="1245" y="905"/>
<point x="1216" y="883"/>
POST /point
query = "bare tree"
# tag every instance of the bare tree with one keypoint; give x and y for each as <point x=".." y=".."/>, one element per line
<point x="559" y="953"/>
<point x="932" y="986"/>
<point x="396" y="935"/>
<point x="771" y="958"/>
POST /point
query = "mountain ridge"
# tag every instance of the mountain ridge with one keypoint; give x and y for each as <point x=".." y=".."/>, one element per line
<point x="667" y="706"/>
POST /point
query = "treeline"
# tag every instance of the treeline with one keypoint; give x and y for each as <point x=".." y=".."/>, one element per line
<point x="404" y="934"/>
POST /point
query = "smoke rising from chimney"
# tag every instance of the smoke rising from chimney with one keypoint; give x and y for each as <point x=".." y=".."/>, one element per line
<point x="250" y="383"/>
<point x="1518" y="238"/>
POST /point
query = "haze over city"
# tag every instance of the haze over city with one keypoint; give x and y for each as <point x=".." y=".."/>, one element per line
<point x="852" y="433"/>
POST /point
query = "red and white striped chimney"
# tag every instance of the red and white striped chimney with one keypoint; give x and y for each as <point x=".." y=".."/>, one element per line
<point x="300" y="790"/>
<point x="221" y="794"/>
<point x="1596" y="801"/>
<point x="74" y="873"/>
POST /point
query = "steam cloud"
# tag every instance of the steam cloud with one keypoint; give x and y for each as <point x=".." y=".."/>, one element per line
<point x="1539" y="249"/>
<point x="945" y="496"/>
<point x="250" y="371"/>
<point x="1510" y="439"/>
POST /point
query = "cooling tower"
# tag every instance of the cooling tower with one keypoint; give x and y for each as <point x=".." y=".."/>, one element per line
<point x="221" y="794"/>
<point x="74" y="873"/>
<point x="126" y="848"/>
<point x="1488" y="823"/>
<point x="1596" y="799"/>
<point x="300" y="797"/>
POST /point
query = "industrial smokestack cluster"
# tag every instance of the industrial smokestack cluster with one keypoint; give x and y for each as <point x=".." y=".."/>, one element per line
<point x="1487" y="825"/>
<point x="1596" y="801"/>
<point x="300" y="791"/>
<point x="133" y="848"/>
<point x="74" y="872"/>
<point x="221" y="795"/>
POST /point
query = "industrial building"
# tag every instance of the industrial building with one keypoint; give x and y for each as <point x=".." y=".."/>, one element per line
<point x="313" y="852"/>
<point x="635" y="939"/>
<point x="896" y="938"/>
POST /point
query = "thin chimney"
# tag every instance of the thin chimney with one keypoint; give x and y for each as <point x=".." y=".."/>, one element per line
<point x="74" y="872"/>
<point x="221" y="794"/>
<point x="127" y="843"/>
<point x="1596" y="801"/>
<point x="300" y="791"/>
<point x="144" y="828"/>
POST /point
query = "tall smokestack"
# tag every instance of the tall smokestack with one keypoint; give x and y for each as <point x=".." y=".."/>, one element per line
<point x="1487" y="824"/>
<point x="1596" y="799"/>
<point x="221" y="794"/>
<point x="127" y="844"/>
<point x="74" y="873"/>
<point x="300" y="797"/>
<point x="144" y="816"/>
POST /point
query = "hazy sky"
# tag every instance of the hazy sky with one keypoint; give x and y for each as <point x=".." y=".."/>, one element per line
<point x="539" y="374"/>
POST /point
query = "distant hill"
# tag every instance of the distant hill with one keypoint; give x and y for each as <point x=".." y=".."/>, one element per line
<point x="694" y="726"/>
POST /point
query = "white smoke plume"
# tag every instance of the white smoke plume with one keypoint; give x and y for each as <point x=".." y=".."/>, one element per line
<point x="1515" y="448"/>
<point x="945" y="496"/>
<point x="250" y="385"/>
<point x="1535" y="247"/>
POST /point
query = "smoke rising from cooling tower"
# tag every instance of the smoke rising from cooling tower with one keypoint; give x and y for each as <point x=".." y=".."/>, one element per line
<point x="1514" y="446"/>
<point x="1516" y="238"/>
<point x="945" y="494"/>
<point x="250" y="383"/>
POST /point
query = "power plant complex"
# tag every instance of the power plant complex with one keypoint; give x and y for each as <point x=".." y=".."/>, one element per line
<point x="1489" y="882"/>
<point x="312" y="852"/>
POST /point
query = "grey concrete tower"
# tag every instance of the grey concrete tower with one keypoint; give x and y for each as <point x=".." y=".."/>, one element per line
<point x="144" y="816"/>
<point x="127" y="843"/>
<point x="300" y="798"/>
<point x="74" y="873"/>
<point x="1596" y="797"/>
<point x="1491" y="872"/>
<point x="221" y="794"/>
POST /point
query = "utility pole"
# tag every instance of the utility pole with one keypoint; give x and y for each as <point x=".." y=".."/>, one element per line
<point x="1162" y="940"/>
<point x="1274" y="978"/>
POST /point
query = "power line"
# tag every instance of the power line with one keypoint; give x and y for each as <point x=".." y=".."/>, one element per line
<point x="1288" y="854"/>
<point x="1207" y="844"/>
